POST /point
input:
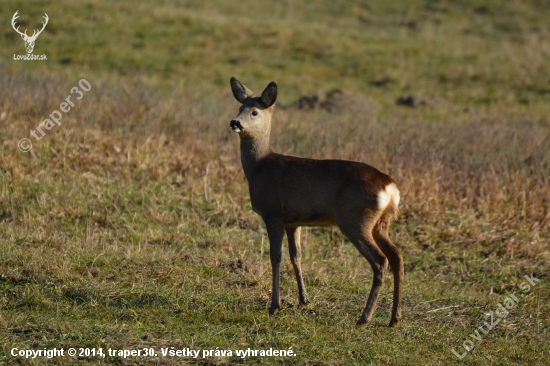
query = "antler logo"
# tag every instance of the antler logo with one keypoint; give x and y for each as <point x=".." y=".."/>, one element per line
<point x="29" y="40"/>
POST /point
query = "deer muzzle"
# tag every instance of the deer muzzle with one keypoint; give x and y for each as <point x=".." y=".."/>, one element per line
<point x="235" y="126"/>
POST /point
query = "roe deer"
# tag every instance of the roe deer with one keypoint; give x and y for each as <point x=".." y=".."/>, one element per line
<point x="289" y="192"/>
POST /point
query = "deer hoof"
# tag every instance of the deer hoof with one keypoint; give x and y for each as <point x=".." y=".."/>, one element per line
<point x="362" y="323"/>
<point x="274" y="309"/>
<point x="394" y="323"/>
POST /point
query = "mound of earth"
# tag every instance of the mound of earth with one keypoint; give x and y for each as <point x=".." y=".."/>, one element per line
<point x="332" y="101"/>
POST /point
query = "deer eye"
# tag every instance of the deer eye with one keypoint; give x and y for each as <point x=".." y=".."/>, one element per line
<point x="255" y="113"/>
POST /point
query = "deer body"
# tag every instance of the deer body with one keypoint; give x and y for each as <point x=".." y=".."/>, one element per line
<point x="302" y="191"/>
<point x="289" y="192"/>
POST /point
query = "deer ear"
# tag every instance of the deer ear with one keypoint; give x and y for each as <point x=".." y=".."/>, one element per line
<point x="240" y="92"/>
<point x="269" y="95"/>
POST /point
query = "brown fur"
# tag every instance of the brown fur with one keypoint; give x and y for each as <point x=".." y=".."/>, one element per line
<point x="289" y="192"/>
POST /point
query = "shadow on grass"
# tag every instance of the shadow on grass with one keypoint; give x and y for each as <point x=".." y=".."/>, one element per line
<point x="83" y="296"/>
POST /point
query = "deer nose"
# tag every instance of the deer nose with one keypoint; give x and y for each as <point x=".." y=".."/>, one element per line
<point x="235" y="125"/>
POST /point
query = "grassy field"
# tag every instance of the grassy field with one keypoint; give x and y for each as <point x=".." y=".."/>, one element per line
<point x="129" y="225"/>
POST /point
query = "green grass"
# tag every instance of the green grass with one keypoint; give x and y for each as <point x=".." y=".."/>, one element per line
<point x="129" y="226"/>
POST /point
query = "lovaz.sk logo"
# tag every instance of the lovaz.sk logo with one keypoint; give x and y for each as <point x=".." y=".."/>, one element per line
<point x="29" y="40"/>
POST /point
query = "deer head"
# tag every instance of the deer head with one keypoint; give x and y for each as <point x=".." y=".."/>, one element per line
<point x="29" y="41"/>
<point x="254" y="119"/>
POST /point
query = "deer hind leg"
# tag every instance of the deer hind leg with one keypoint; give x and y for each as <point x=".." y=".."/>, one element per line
<point x="382" y="238"/>
<point x="276" y="232"/>
<point x="360" y="234"/>
<point x="295" y="251"/>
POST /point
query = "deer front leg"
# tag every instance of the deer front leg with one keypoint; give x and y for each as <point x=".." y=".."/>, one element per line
<point x="275" y="232"/>
<point x="295" y="251"/>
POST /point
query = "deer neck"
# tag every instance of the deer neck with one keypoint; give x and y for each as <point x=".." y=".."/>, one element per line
<point x="253" y="151"/>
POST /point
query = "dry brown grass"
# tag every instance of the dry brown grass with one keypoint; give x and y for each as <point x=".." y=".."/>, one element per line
<point x="482" y="174"/>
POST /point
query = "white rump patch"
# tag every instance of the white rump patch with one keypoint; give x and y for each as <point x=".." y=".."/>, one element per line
<point x="391" y="193"/>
